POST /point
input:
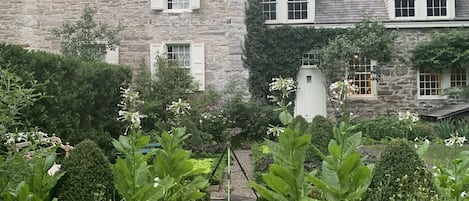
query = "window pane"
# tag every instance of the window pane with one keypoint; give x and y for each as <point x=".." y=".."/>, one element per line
<point x="397" y="3"/>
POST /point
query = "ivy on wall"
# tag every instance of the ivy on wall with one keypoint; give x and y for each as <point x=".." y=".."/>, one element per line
<point x="444" y="50"/>
<point x="277" y="51"/>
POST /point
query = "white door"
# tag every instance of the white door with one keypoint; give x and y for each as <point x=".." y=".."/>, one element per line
<point x="311" y="93"/>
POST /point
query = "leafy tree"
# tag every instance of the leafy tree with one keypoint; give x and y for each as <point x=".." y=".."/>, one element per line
<point x="443" y="51"/>
<point x="367" y="38"/>
<point x="88" y="174"/>
<point x="85" y="39"/>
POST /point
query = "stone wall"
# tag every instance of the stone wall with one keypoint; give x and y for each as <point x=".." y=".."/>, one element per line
<point x="397" y="86"/>
<point x="219" y="24"/>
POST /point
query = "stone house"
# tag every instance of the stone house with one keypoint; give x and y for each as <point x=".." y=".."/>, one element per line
<point x="206" y="36"/>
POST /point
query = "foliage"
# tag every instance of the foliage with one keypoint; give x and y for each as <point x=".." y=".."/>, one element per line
<point x="443" y="51"/>
<point x="322" y="135"/>
<point x="27" y="178"/>
<point x="455" y="179"/>
<point x="85" y="39"/>
<point x="382" y="127"/>
<point x="285" y="180"/>
<point x="261" y="158"/>
<point x="173" y="162"/>
<point x="343" y="175"/>
<point x="300" y="123"/>
<point x="276" y="51"/>
<point x="16" y="96"/>
<point x="171" y="173"/>
<point x="169" y="83"/>
<point x="367" y="38"/>
<point x="401" y="175"/>
<point x="80" y="98"/>
<point x="88" y="174"/>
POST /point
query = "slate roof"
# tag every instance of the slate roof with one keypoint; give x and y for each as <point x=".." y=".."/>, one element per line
<point x="462" y="9"/>
<point x="347" y="11"/>
<point x="350" y="11"/>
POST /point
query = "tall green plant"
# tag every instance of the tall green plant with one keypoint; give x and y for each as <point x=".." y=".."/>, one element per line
<point x="28" y="179"/>
<point x="16" y="96"/>
<point x="286" y="180"/>
<point x="343" y="175"/>
<point x="85" y="39"/>
<point x="454" y="179"/>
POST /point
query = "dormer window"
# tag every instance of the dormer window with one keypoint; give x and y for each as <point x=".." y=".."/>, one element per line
<point x="269" y="9"/>
<point x="297" y="9"/>
<point x="405" y="8"/>
<point x="288" y="11"/>
<point x="436" y="7"/>
<point x="421" y="9"/>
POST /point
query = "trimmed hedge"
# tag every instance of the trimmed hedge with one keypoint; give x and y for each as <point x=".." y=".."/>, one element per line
<point x="80" y="97"/>
<point x="88" y="175"/>
<point x="401" y="175"/>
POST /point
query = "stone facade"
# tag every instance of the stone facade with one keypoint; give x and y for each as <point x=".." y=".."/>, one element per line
<point x="218" y="24"/>
<point x="397" y="86"/>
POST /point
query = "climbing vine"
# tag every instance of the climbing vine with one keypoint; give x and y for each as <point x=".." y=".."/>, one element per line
<point x="277" y="51"/>
<point x="444" y="50"/>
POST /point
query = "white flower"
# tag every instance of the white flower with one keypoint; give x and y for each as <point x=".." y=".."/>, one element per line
<point x="275" y="130"/>
<point x="157" y="182"/>
<point x="455" y="139"/>
<point x="286" y="85"/>
<point x="463" y="194"/>
<point x="179" y="107"/>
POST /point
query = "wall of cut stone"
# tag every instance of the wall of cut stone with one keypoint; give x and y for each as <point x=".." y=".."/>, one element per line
<point x="397" y="88"/>
<point x="219" y="24"/>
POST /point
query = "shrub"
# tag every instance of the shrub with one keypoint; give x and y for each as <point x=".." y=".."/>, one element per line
<point x="300" y="123"/>
<point x="401" y="175"/>
<point x="321" y="129"/>
<point x="378" y="128"/>
<point x="88" y="175"/>
<point x="80" y="97"/>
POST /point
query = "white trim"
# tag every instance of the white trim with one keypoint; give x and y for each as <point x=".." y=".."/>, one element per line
<point x="395" y="24"/>
<point x="177" y="11"/>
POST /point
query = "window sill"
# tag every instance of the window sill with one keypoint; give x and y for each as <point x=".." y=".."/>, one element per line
<point x="362" y="97"/>
<point x="432" y="97"/>
<point x="177" y="11"/>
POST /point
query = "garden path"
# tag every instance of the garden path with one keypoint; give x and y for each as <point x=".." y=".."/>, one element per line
<point x="239" y="185"/>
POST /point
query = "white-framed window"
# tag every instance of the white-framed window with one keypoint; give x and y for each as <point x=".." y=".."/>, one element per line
<point x="421" y="9"/>
<point x="269" y="9"/>
<point x="458" y="77"/>
<point x="297" y="9"/>
<point x="311" y="58"/>
<point x="361" y="72"/>
<point x="436" y="7"/>
<point x="180" y="53"/>
<point x="288" y="11"/>
<point x="431" y="84"/>
<point x="175" y="5"/>
<point x="188" y="55"/>
<point x="404" y="8"/>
